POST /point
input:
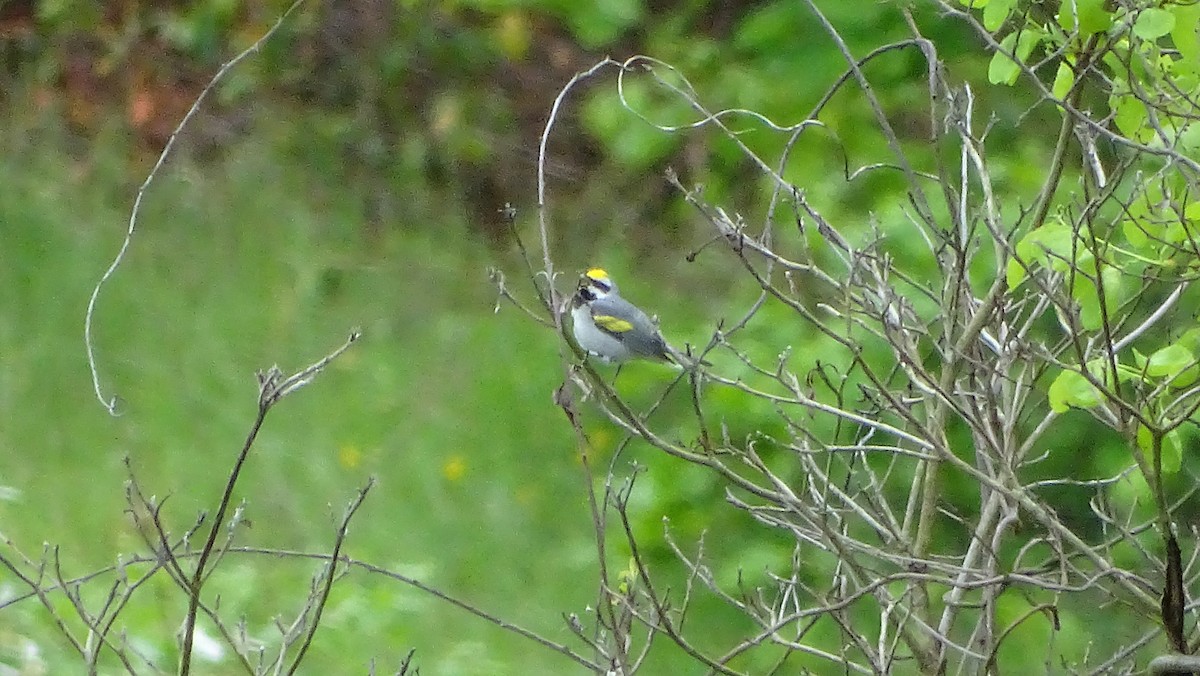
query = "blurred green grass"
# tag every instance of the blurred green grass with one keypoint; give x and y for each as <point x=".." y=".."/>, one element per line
<point x="254" y="260"/>
<point x="250" y="262"/>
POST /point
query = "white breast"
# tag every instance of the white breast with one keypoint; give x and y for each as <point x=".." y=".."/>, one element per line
<point x="592" y="339"/>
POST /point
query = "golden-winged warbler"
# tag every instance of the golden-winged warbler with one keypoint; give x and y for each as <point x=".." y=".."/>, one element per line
<point x="614" y="330"/>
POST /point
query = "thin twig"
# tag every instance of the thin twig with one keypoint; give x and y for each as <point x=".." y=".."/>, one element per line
<point x="110" y="403"/>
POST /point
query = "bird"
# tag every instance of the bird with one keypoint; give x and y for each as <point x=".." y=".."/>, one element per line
<point x="614" y="330"/>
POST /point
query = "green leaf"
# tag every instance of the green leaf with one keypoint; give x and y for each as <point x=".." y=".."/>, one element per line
<point x="1185" y="35"/>
<point x="1071" y="390"/>
<point x="1093" y="18"/>
<point x="1003" y="69"/>
<point x="1066" y="15"/>
<point x="1145" y="440"/>
<point x="1089" y="307"/>
<point x="1177" y="231"/>
<point x="1088" y="14"/>
<point x="1014" y="273"/>
<point x="1172" y="451"/>
<point x="1130" y="115"/>
<point x="1175" y="361"/>
<point x="996" y="13"/>
<point x="1190" y="339"/>
<point x="1171" y="448"/>
<point x="1064" y="79"/>
<point x="1191" y="212"/>
<point x="1099" y="366"/>
<point x="1153" y="23"/>
<point x="1186" y="377"/>
<point x="1188" y="140"/>
<point x="1053" y="245"/>
<point x="1135" y="234"/>
<point x="1169" y="359"/>
<point x="1112" y="279"/>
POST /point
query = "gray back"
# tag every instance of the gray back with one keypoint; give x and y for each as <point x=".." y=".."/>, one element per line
<point x="645" y="340"/>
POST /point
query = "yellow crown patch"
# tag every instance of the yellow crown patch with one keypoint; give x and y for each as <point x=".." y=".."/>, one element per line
<point x="597" y="274"/>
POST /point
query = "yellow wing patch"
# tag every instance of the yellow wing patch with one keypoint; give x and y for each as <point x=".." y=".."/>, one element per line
<point x="612" y="324"/>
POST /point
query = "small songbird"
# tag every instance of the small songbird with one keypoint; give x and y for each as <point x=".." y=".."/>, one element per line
<point x="614" y="330"/>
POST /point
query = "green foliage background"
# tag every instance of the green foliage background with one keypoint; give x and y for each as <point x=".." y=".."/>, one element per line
<point x="349" y="176"/>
